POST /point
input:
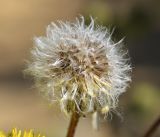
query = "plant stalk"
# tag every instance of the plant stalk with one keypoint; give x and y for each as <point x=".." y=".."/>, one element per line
<point x="153" y="128"/>
<point x="73" y="124"/>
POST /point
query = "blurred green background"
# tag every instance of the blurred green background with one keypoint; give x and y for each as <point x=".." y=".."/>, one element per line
<point x="20" y="104"/>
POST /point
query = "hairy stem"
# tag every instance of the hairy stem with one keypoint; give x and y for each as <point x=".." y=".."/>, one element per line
<point x="153" y="128"/>
<point x="73" y="124"/>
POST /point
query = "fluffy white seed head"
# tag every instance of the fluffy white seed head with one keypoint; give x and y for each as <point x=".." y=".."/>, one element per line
<point x="80" y="67"/>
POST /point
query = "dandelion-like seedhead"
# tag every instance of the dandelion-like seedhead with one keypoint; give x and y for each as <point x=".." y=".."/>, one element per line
<point x="80" y="67"/>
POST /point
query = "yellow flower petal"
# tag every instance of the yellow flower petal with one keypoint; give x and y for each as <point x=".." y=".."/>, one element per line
<point x="19" y="133"/>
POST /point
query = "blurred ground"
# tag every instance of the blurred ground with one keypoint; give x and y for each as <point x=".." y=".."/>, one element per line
<point x="21" y="106"/>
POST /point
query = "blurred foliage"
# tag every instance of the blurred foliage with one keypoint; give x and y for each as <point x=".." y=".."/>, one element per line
<point x="100" y="10"/>
<point x="145" y="99"/>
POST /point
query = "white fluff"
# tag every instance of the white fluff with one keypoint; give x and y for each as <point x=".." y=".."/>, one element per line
<point x="80" y="66"/>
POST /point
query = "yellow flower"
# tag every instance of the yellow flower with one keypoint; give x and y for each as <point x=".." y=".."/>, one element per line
<point x="19" y="133"/>
<point x="2" y="134"/>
